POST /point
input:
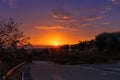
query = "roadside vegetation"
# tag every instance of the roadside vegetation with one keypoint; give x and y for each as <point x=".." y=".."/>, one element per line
<point x="10" y="38"/>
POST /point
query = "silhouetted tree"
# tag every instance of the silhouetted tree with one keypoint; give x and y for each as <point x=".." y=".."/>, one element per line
<point x="10" y="35"/>
<point x="10" y="38"/>
<point x="109" y="41"/>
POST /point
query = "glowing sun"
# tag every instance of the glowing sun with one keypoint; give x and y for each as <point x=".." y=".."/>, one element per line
<point x="56" y="44"/>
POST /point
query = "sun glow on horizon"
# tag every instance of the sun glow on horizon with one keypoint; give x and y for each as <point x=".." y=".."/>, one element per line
<point x="54" y="39"/>
<point x="56" y="44"/>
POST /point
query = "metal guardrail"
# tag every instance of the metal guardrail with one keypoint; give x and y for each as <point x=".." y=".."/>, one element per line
<point x="12" y="70"/>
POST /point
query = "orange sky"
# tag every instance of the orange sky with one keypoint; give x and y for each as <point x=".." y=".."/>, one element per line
<point x="57" y="36"/>
<point x="53" y="37"/>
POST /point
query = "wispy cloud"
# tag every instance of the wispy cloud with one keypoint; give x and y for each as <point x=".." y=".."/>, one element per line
<point x="104" y="23"/>
<point x="115" y="2"/>
<point x="106" y="9"/>
<point x="11" y="3"/>
<point x="55" y="27"/>
<point x="109" y="7"/>
<point x="49" y="27"/>
<point x="68" y="20"/>
<point x="91" y="18"/>
<point x="60" y="13"/>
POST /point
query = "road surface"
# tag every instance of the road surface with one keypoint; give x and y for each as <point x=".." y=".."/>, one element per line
<point x="49" y="71"/>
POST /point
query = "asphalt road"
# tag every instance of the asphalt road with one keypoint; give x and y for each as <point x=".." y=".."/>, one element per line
<point x="49" y="71"/>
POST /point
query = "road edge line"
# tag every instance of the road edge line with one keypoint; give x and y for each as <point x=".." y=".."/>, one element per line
<point x="23" y="73"/>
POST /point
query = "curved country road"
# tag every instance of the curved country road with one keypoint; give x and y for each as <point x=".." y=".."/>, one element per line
<point x="49" y="71"/>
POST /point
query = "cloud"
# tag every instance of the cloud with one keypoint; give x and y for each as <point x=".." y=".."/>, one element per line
<point x="60" y="13"/>
<point x="109" y="7"/>
<point x="104" y="23"/>
<point x="115" y="2"/>
<point x="49" y="27"/>
<point x="11" y="3"/>
<point x="106" y="10"/>
<point x="64" y="17"/>
<point x="85" y="24"/>
<point x="68" y="20"/>
<point x="91" y="18"/>
<point x="53" y="27"/>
